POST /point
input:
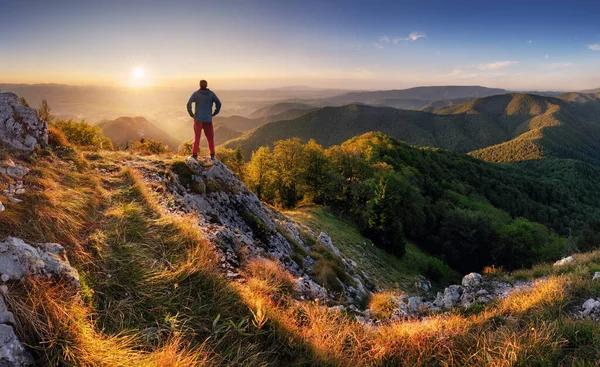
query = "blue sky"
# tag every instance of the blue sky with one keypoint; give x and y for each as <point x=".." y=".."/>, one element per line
<point x="345" y="44"/>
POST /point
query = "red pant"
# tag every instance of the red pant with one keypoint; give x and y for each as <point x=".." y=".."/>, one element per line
<point x="210" y="136"/>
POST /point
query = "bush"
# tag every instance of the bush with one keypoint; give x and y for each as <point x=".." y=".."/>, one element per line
<point x="148" y="146"/>
<point x="56" y="138"/>
<point x="185" y="148"/>
<point x="383" y="304"/>
<point x="83" y="134"/>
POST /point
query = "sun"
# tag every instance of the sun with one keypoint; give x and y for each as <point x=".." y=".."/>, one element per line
<point x="138" y="73"/>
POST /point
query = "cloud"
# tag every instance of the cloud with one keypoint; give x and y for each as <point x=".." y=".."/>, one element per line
<point x="594" y="46"/>
<point x="416" y="35"/>
<point x="413" y="36"/>
<point x="546" y="57"/>
<point x="497" y="65"/>
<point x="385" y="39"/>
<point x="379" y="46"/>
<point x="529" y="42"/>
<point x="559" y="65"/>
<point x="356" y="48"/>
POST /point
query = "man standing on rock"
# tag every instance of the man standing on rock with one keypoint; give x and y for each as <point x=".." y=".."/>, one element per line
<point x="204" y="99"/>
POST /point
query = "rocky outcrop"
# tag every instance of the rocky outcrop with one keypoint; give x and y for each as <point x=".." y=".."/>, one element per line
<point x="20" y="127"/>
<point x="474" y="289"/>
<point x="19" y="260"/>
<point x="14" y="174"/>
<point x="12" y="352"/>
<point x="239" y="226"/>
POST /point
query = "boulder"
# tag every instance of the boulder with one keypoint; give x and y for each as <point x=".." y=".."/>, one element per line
<point x="414" y="304"/>
<point x="472" y="280"/>
<point x="452" y="295"/>
<point x="20" y="127"/>
<point x="326" y="241"/>
<point x="596" y="275"/>
<point x="18" y="260"/>
<point x="564" y="261"/>
<point x="307" y="288"/>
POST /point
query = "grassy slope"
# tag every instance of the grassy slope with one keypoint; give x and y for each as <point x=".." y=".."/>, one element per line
<point x="152" y="293"/>
<point x="384" y="270"/>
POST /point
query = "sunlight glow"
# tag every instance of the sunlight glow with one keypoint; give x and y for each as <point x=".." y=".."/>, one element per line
<point x="138" y="73"/>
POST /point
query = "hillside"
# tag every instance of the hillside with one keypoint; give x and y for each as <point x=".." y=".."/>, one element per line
<point x="501" y="128"/>
<point x="278" y="108"/>
<point x="124" y="129"/>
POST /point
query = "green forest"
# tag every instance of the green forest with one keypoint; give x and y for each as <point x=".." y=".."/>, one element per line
<point x="467" y="212"/>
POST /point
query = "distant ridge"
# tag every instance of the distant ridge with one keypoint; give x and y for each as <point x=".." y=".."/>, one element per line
<point x="500" y="128"/>
<point x="125" y="129"/>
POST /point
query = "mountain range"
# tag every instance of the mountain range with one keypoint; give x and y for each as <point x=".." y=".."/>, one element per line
<point x="501" y="128"/>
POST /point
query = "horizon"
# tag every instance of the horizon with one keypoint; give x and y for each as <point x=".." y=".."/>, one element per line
<point x="254" y="45"/>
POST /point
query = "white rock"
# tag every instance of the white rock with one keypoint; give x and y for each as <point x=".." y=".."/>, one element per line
<point x="596" y="275"/>
<point x="20" y="126"/>
<point x="414" y="304"/>
<point x="472" y="280"/>
<point x="452" y="295"/>
<point x="564" y="261"/>
<point x="18" y="259"/>
<point x="325" y="240"/>
<point x="12" y="352"/>
<point x="591" y="305"/>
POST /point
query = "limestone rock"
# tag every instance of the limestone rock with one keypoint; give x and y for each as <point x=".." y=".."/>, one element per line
<point x="309" y="289"/>
<point x="414" y="304"/>
<point x="20" y="126"/>
<point x="564" y="261"/>
<point x="452" y="295"/>
<point x="18" y="260"/>
<point x="472" y="280"/>
<point x="325" y="240"/>
<point x="12" y="352"/>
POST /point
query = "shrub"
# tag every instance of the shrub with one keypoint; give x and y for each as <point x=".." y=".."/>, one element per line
<point x="382" y="304"/>
<point x="185" y="148"/>
<point x="56" y="138"/>
<point x="83" y="134"/>
<point x="259" y="229"/>
<point x="148" y="146"/>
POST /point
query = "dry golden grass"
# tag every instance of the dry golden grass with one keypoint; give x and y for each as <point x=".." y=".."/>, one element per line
<point x="383" y="304"/>
<point x="268" y="277"/>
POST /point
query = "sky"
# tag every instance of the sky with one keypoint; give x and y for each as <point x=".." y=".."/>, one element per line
<point x="349" y="44"/>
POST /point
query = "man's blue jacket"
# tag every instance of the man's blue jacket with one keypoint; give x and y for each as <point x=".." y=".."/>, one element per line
<point x="204" y="99"/>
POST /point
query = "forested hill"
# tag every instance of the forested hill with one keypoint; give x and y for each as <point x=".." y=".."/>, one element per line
<point x="469" y="212"/>
<point x="508" y="127"/>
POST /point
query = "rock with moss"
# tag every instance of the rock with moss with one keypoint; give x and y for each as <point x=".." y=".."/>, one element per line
<point x="20" y="127"/>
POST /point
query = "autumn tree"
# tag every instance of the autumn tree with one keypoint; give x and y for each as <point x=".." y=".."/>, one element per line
<point x="260" y="174"/>
<point x="287" y="156"/>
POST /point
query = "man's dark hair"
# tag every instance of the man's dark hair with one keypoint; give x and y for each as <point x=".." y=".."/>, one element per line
<point x="203" y="84"/>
